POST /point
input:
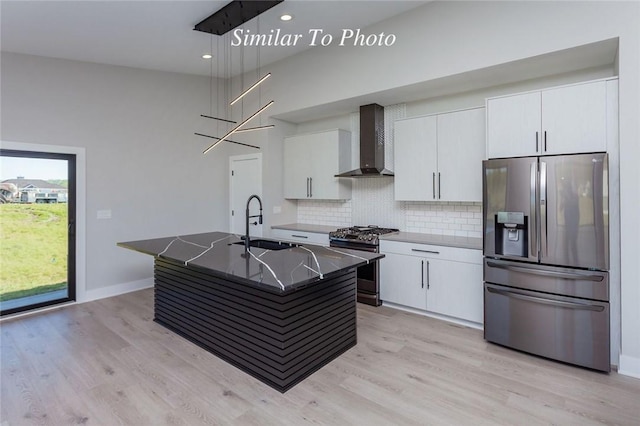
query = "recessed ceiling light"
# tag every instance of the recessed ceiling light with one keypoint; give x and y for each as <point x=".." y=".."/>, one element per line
<point x="286" y="17"/>
<point x="206" y="56"/>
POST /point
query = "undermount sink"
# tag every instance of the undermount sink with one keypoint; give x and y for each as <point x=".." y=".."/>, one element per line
<point x="268" y="244"/>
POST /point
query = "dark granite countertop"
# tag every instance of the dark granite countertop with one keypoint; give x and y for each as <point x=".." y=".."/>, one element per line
<point x="281" y="271"/>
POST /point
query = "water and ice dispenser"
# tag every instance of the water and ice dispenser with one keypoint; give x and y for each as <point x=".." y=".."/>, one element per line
<point x="511" y="234"/>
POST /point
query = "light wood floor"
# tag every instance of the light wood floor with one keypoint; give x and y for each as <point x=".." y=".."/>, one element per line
<point x="108" y="363"/>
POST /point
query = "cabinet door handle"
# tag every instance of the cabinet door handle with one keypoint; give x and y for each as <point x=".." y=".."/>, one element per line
<point x="433" y="185"/>
<point x="545" y="141"/>
<point x="428" y="278"/>
<point x="307" y="187"/>
<point x="425" y="251"/>
<point x="299" y="236"/>
<point x="536" y="141"/>
<point x="439" y="193"/>
<point x="422" y="273"/>
<point x="311" y="187"/>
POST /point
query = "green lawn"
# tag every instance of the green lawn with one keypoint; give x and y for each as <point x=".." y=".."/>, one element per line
<point x="33" y="249"/>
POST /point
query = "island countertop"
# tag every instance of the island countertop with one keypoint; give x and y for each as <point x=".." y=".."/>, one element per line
<point x="279" y="271"/>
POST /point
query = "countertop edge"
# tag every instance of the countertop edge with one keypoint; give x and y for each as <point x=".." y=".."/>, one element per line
<point x="471" y="243"/>
<point x="306" y="227"/>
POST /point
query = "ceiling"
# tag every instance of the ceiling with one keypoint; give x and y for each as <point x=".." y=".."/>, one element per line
<point x="159" y="35"/>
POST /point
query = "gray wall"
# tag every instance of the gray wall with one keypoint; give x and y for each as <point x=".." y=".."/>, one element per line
<point x="143" y="162"/>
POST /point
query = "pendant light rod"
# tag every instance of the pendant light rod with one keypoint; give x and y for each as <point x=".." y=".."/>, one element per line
<point x="232" y="131"/>
<point x="251" y="129"/>
<point x="256" y="84"/>
<point x="227" y="140"/>
<point x="216" y="118"/>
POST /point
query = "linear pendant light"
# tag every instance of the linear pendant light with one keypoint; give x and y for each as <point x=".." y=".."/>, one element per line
<point x="232" y="131"/>
<point x="238" y="143"/>
<point x="216" y="118"/>
<point x="251" y="129"/>
<point x="256" y="84"/>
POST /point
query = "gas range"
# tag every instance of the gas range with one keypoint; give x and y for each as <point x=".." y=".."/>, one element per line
<point x="363" y="238"/>
<point x="367" y="235"/>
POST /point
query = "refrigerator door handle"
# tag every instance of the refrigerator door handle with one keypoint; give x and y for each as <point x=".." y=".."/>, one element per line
<point x="543" y="209"/>
<point x="571" y="305"/>
<point x="564" y="275"/>
<point x="532" y="213"/>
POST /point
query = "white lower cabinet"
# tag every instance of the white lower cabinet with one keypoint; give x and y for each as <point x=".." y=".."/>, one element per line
<point x="401" y="280"/>
<point x="302" y="237"/>
<point x="455" y="289"/>
<point x="437" y="279"/>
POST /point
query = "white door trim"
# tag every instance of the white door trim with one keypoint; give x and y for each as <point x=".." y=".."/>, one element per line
<point x="81" y="202"/>
<point x="243" y="157"/>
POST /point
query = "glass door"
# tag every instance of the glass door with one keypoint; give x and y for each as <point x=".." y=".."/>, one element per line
<point x="37" y="229"/>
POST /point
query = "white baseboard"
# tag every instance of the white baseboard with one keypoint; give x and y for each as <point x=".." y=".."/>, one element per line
<point x="629" y="366"/>
<point x="115" y="290"/>
<point x="458" y="321"/>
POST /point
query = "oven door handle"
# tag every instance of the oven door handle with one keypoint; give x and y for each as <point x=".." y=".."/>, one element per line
<point x="552" y="302"/>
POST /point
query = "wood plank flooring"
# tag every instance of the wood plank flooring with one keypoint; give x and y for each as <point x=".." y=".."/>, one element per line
<point x="107" y="363"/>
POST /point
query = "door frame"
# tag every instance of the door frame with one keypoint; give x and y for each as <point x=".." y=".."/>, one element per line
<point x="243" y="157"/>
<point x="80" y="209"/>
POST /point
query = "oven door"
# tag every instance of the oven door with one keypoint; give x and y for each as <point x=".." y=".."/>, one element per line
<point x="368" y="275"/>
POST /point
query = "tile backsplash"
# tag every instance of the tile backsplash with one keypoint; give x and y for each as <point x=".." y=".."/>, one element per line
<point x="458" y="219"/>
<point x="372" y="205"/>
<point x="325" y="212"/>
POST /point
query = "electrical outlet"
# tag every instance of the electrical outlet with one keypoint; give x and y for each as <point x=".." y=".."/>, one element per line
<point x="103" y="214"/>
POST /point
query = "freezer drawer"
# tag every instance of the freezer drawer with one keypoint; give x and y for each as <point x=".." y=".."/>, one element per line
<point x="566" y="329"/>
<point x="548" y="279"/>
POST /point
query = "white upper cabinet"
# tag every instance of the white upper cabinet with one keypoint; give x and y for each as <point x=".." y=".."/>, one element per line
<point x="439" y="157"/>
<point x="513" y="125"/>
<point x="311" y="162"/>
<point x="461" y="149"/>
<point x="415" y="158"/>
<point x="563" y="120"/>
<point x="574" y="119"/>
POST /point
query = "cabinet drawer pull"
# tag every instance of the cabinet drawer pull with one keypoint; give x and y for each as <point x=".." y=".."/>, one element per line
<point x="426" y="251"/>
<point x="299" y="236"/>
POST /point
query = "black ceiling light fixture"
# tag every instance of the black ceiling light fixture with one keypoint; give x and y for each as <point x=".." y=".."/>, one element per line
<point x="221" y="22"/>
<point x="233" y="15"/>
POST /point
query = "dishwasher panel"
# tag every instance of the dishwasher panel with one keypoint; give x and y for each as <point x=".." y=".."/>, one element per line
<point x="567" y="329"/>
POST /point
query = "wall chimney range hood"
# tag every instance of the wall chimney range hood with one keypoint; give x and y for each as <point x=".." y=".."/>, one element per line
<point x="371" y="144"/>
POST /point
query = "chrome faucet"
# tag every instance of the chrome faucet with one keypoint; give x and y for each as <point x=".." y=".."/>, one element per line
<point x="247" y="216"/>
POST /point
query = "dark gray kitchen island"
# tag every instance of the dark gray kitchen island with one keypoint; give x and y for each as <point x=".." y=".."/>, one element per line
<point x="279" y="315"/>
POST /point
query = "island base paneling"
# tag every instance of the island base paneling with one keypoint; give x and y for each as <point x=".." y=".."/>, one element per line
<point x="280" y="339"/>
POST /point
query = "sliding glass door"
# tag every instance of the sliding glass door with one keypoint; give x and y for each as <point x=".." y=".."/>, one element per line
<point x="37" y="229"/>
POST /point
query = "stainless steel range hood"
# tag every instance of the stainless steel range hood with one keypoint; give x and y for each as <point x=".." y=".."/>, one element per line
<point x="371" y="144"/>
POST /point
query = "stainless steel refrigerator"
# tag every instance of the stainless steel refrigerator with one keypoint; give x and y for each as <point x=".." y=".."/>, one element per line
<point x="546" y="249"/>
